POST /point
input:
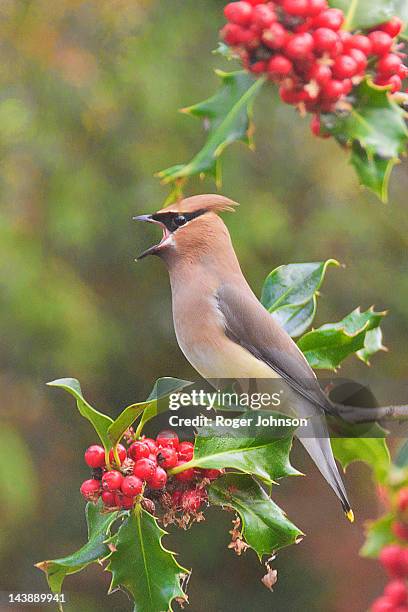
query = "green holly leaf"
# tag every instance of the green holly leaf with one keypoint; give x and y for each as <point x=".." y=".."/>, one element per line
<point x="227" y="117"/>
<point x="99" y="525"/>
<point x="378" y="535"/>
<point x="401" y="459"/>
<point x="143" y="566"/>
<point x="101" y="422"/>
<point x="372" y="344"/>
<point x="265" y="527"/>
<point x="260" y="451"/>
<point x="327" y="346"/>
<point x="373" y="171"/>
<point x="290" y="294"/>
<point x="361" y="14"/>
<point x="374" y="128"/>
<point x="372" y="451"/>
<point x="150" y="408"/>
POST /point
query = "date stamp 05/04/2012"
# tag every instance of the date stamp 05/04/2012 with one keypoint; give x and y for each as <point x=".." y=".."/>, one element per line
<point x="19" y="599"/>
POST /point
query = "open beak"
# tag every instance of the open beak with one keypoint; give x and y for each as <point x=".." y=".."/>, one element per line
<point x="153" y="250"/>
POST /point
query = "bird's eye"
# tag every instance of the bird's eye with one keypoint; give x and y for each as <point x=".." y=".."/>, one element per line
<point x="180" y="220"/>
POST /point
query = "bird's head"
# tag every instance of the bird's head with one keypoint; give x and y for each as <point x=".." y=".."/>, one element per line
<point x="191" y="227"/>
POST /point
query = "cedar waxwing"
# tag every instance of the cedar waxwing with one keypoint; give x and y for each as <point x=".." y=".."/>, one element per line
<point x="223" y="329"/>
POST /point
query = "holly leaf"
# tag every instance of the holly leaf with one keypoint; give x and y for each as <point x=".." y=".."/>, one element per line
<point x="372" y="344"/>
<point x="101" y="422"/>
<point x="401" y="459"/>
<point x="378" y="535"/>
<point x="373" y="171"/>
<point x="260" y="451"/>
<point x="227" y="118"/>
<point x="143" y="566"/>
<point x="372" y="451"/>
<point x="362" y="14"/>
<point x="150" y="408"/>
<point x="374" y="128"/>
<point x="290" y="294"/>
<point x="265" y="527"/>
<point x="327" y="346"/>
<point x="98" y="531"/>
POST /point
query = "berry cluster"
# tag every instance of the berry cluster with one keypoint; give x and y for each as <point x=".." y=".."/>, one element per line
<point x="141" y="473"/>
<point x="300" y="45"/>
<point x="394" y="559"/>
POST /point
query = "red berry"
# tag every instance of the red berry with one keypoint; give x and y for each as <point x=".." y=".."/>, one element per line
<point x="144" y="469"/>
<point x="393" y="560"/>
<point x="238" y="12"/>
<point x="394" y="82"/>
<point x="325" y="40"/>
<point x="344" y="67"/>
<point x="186" y="475"/>
<point x="275" y="36"/>
<point x="389" y="64"/>
<point x="392" y="27"/>
<point x="289" y="95"/>
<point x="360" y="58"/>
<point x="400" y="530"/>
<point x="256" y="2"/>
<point x="108" y="499"/>
<point x="150" y="443"/>
<point x="121" y="451"/>
<point x="279" y="66"/>
<point x="347" y="86"/>
<point x="381" y="42"/>
<point x="320" y="73"/>
<point x="359" y="41"/>
<point x="212" y="474"/>
<point x="95" y="456"/>
<point x="131" y="486"/>
<point x="258" y="67"/>
<point x="191" y="500"/>
<point x="299" y="8"/>
<point x="185" y="450"/>
<point x="299" y="45"/>
<point x="124" y="502"/>
<point x="138" y="450"/>
<point x="159" y="479"/>
<point x="396" y="591"/>
<point x="167" y="438"/>
<point x="382" y="604"/>
<point x="316" y="6"/>
<point x="153" y="457"/>
<point x="230" y="33"/>
<point x="402" y="499"/>
<point x="316" y="127"/>
<point x="403" y="71"/>
<point x="111" y="481"/>
<point x="333" y="89"/>
<point x="91" y="489"/>
<point x="331" y="18"/>
<point x="176" y="499"/>
<point x="167" y="457"/>
<point x="263" y="15"/>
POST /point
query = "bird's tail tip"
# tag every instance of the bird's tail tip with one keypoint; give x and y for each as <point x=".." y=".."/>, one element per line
<point x="350" y="515"/>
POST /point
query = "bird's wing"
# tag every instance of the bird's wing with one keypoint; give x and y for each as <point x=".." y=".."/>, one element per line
<point x="249" y="324"/>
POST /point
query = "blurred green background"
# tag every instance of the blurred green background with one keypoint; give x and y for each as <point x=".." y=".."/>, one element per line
<point x="89" y="94"/>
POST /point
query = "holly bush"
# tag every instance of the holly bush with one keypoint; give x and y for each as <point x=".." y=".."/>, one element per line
<point x="135" y="492"/>
<point x="344" y="64"/>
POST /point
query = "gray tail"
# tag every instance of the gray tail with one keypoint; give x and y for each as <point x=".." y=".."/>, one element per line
<point x="316" y="441"/>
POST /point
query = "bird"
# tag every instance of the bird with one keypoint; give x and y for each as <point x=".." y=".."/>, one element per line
<point x="223" y="329"/>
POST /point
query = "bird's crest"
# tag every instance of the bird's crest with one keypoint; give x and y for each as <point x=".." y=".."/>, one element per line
<point x="211" y="202"/>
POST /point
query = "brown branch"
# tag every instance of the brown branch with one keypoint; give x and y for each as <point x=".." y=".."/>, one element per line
<point x="354" y="414"/>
